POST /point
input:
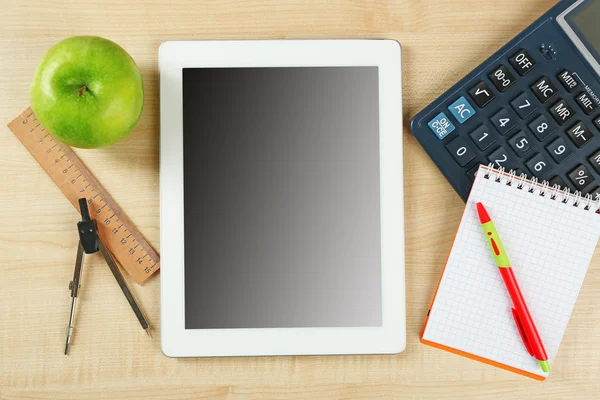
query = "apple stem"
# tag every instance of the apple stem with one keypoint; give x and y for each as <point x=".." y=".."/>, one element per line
<point x="81" y="91"/>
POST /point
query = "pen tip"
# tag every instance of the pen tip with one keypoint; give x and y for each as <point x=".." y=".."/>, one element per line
<point x="483" y="214"/>
<point x="148" y="332"/>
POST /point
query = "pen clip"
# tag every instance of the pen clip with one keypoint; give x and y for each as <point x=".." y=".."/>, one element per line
<point x="522" y="332"/>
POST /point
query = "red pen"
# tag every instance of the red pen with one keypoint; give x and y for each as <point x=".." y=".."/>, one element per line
<point x="525" y="325"/>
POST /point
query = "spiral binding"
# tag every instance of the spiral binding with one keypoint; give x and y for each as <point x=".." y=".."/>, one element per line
<point x="543" y="188"/>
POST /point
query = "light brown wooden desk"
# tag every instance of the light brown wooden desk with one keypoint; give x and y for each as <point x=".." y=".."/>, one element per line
<point x="111" y="357"/>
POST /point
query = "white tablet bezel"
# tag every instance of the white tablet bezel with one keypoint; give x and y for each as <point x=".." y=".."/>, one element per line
<point x="176" y="341"/>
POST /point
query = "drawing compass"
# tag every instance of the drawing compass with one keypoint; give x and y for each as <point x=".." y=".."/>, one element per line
<point x="89" y="243"/>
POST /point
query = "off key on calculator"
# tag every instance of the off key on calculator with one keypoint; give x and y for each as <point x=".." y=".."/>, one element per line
<point x="522" y="62"/>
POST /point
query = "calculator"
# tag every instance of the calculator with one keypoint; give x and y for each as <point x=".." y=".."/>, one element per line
<point x="532" y="107"/>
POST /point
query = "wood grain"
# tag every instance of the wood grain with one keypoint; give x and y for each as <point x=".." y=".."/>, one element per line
<point x="111" y="356"/>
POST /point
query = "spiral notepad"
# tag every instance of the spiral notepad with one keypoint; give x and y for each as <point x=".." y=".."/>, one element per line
<point x="550" y="236"/>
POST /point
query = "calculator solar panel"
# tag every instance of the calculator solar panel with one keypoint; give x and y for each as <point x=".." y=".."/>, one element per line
<point x="531" y="107"/>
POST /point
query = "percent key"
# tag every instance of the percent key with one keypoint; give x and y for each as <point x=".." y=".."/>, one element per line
<point x="581" y="177"/>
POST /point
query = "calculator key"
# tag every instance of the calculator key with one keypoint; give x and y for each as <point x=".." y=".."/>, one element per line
<point x="594" y="159"/>
<point x="597" y="122"/>
<point x="543" y="89"/>
<point x="481" y="94"/>
<point x="557" y="180"/>
<point x="586" y="103"/>
<point x="594" y="193"/>
<point x="462" y="110"/>
<point x="504" y="120"/>
<point x="441" y="125"/>
<point x="501" y="158"/>
<point x="579" y="134"/>
<point x="561" y="112"/>
<point x="559" y="149"/>
<point x="523" y="105"/>
<point x="568" y="81"/>
<point x="580" y="177"/>
<point x="519" y="172"/>
<point x="520" y="143"/>
<point x="502" y="78"/>
<point x="473" y="171"/>
<point x="461" y="151"/>
<point x="522" y="62"/>
<point x="538" y="165"/>
<point x="542" y="127"/>
<point x="483" y="137"/>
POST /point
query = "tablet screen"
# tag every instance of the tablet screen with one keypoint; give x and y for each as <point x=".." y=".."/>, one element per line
<point x="282" y="197"/>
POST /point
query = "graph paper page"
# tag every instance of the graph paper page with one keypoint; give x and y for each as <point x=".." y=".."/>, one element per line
<point x="549" y="244"/>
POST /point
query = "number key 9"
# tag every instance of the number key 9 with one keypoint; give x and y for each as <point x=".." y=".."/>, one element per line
<point x="559" y="149"/>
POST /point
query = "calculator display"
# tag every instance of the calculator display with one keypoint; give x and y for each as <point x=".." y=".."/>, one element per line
<point x="585" y="19"/>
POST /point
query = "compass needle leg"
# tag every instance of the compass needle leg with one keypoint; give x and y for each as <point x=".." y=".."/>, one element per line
<point x="74" y="286"/>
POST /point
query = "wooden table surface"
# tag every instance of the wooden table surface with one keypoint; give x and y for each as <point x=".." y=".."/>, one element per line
<point x="111" y="357"/>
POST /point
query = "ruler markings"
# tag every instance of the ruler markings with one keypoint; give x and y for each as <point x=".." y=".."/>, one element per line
<point x="66" y="174"/>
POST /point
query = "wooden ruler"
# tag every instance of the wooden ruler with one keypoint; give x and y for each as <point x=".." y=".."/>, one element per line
<point x="119" y="235"/>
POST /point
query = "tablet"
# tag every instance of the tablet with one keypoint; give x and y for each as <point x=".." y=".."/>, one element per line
<point x="282" y="217"/>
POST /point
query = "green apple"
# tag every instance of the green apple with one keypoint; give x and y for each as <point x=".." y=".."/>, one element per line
<point x="87" y="92"/>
